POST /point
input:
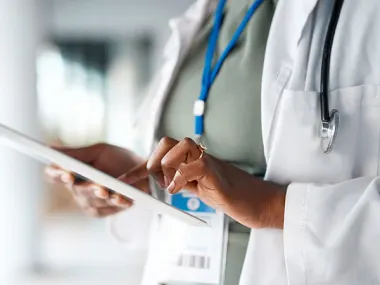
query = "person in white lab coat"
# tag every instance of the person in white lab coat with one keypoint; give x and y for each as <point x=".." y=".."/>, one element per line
<point x="314" y="218"/>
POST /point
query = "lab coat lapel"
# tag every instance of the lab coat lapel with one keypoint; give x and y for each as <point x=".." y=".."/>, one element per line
<point x="301" y="14"/>
<point x="279" y="59"/>
<point x="183" y="29"/>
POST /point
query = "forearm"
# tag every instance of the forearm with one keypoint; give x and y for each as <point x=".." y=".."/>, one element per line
<point x="258" y="209"/>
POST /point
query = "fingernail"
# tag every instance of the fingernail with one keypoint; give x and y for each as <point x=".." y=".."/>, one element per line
<point x="115" y="201"/>
<point x="171" y="187"/>
<point x="98" y="192"/>
<point x="66" y="178"/>
<point x="166" y="181"/>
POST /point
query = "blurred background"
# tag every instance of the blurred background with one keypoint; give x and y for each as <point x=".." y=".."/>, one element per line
<point x="72" y="72"/>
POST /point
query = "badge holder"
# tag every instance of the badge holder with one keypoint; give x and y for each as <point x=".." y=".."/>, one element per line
<point x="188" y="255"/>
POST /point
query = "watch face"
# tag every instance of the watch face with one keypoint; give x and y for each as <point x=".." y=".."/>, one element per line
<point x="329" y="131"/>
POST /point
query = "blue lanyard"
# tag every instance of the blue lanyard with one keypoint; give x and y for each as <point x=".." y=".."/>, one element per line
<point x="210" y="73"/>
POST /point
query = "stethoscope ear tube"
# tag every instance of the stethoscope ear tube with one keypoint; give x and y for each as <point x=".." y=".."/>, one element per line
<point x="330" y="120"/>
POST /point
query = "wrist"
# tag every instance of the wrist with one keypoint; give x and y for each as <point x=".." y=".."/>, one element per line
<point x="275" y="211"/>
<point x="259" y="205"/>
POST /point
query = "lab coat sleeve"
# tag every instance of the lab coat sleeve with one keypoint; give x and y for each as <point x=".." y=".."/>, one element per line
<point x="131" y="228"/>
<point x="331" y="232"/>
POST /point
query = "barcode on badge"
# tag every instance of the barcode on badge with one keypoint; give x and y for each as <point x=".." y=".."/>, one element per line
<point x="194" y="261"/>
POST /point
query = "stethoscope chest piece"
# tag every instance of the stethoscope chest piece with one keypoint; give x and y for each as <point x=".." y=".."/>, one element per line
<point x="329" y="131"/>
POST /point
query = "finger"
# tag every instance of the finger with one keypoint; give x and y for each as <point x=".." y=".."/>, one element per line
<point x="154" y="163"/>
<point x="57" y="175"/>
<point x="186" y="173"/>
<point x="143" y="185"/>
<point x="67" y="179"/>
<point x="100" y="192"/>
<point x="90" y="190"/>
<point x="85" y="202"/>
<point x="186" y="151"/>
<point x="136" y="174"/>
<point x="85" y="154"/>
<point x="137" y="177"/>
<point x="91" y="195"/>
<point x="120" y="201"/>
<point x="102" y="212"/>
<point x="137" y="180"/>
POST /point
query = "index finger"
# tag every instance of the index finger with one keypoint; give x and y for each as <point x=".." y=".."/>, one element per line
<point x="136" y="174"/>
<point x="86" y="154"/>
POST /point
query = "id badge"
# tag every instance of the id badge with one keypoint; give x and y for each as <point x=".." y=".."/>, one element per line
<point x="183" y="253"/>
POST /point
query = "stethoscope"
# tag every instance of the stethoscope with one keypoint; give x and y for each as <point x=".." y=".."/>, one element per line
<point x="329" y="119"/>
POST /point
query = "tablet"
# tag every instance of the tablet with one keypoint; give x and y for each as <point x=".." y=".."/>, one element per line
<point x="39" y="151"/>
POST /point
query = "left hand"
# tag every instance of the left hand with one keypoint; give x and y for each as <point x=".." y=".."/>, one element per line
<point x="180" y="165"/>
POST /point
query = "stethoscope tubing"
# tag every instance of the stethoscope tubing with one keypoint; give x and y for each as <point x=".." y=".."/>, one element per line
<point x="326" y="61"/>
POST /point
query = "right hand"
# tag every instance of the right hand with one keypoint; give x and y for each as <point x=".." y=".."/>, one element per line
<point x="93" y="199"/>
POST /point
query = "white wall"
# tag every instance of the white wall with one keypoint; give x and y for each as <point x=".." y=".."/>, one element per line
<point x="21" y="184"/>
<point x="112" y="18"/>
<point x="117" y="20"/>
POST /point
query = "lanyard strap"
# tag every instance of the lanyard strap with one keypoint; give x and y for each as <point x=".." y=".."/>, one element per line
<point x="210" y="73"/>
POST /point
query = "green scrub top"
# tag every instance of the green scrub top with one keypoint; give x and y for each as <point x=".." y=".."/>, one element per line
<point x="233" y="111"/>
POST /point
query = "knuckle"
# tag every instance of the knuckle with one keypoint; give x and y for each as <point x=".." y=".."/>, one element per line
<point x="165" y="162"/>
<point x="165" y="141"/>
<point x="188" y="142"/>
<point x="150" y="165"/>
<point x="179" y="175"/>
<point x="181" y="169"/>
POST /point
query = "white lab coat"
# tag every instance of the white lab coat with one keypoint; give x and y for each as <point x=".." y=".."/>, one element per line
<point x="332" y="216"/>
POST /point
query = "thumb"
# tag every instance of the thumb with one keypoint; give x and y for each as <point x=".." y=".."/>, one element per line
<point x="84" y="154"/>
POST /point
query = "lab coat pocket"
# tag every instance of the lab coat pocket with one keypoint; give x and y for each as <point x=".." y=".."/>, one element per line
<point x="297" y="155"/>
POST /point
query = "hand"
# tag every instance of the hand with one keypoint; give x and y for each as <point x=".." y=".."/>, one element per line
<point x="93" y="199"/>
<point x="181" y="165"/>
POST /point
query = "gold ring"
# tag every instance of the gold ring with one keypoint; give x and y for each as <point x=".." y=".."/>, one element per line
<point x="203" y="149"/>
